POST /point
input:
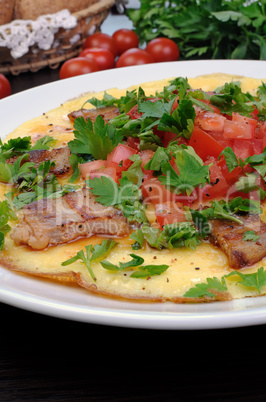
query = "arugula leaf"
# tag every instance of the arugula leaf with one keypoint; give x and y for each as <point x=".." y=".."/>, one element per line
<point x="93" y="253"/>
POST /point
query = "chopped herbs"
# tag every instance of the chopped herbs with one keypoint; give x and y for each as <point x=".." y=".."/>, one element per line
<point x="255" y="281"/>
<point x="93" y="254"/>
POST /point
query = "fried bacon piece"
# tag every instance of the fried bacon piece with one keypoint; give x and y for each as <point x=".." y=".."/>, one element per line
<point x="229" y="236"/>
<point x="58" y="155"/>
<point x="53" y="221"/>
<point x="107" y="113"/>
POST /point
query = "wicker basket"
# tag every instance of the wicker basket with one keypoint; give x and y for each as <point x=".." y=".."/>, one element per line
<point x="89" y="21"/>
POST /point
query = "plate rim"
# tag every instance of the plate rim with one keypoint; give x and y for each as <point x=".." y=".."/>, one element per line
<point x="130" y="317"/>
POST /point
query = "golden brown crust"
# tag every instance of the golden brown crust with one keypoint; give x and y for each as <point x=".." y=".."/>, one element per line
<point x="6" y="11"/>
<point x="32" y="9"/>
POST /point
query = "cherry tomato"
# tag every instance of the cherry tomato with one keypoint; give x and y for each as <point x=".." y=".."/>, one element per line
<point x="5" y="89"/>
<point x="101" y="40"/>
<point x="163" y="49"/>
<point x="133" y="57"/>
<point x="77" y="66"/>
<point x="102" y="57"/>
<point x="125" y="39"/>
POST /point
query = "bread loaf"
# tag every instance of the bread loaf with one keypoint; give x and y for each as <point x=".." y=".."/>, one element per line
<point x="32" y="9"/>
<point x="6" y="11"/>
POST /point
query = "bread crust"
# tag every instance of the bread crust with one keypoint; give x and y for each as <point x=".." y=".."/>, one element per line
<point x="32" y="9"/>
<point x="6" y="11"/>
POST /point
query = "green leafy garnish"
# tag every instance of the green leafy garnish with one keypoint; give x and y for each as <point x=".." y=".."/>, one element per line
<point x="255" y="280"/>
<point x="136" y="261"/>
<point x="250" y="235"/>
<point x="5" y="215"/>
<point x="93" y="254"/>
<point x="208" y="289"/>
<point x="97" y="139"/>
<point x="192" y="172"/>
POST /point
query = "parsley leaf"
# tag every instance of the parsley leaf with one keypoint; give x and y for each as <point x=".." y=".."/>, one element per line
<point x="93" y="253"/>
<point x="5" y="215"/>
<point x="250" y="235"/>
<point x="208" y="289"/>
<point x="192" y="173"/>
<point x="256" y="280"/>
<point x="98" y="139"/>
<point x="136" y="261"/>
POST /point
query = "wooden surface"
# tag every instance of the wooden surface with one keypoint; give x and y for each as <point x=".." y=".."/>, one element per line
<point x="44" y="358"/>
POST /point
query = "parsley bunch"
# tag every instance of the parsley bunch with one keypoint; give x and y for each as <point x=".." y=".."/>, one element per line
<point x="205" y="29"/>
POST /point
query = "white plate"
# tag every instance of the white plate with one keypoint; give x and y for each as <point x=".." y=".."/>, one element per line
<point x="77" y="304"/>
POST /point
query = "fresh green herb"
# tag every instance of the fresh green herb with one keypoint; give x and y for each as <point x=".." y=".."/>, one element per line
<point x="231" y="99"/>
<point x="5" y="215"/>
<point x="183" y="234"/>
<point x="250" y="235"/>
<point x="126" y="196"/>
<point x="138" y="236"/>
<point x="136" y="262"/>
<point x="93" y="254"/>
<point x="192" y="173"/>
<point x="256" y="280"/>
<point x="208" y="289"/>
<point x="232" y="29"/>
<point x="98" y="139"/>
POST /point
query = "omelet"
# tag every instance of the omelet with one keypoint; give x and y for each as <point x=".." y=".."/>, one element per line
<point x="189" y="274"/>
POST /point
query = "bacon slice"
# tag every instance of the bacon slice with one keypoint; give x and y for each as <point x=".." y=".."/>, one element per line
<point x="58" y="155"/>
<point x="107" y="113"/>
<point x="53" y="221"/>
<point x="228" y="236"/>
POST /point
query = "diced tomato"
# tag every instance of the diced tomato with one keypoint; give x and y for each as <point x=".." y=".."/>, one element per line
<point x="218" y="186"/>
<point x="133" y="113"/>
<point x="214" y="108"/>
<point x="86" y="168"/>
<point x="243" y="148"/>
<point x="230" y="177"/>
<point x="155" y="192"/>
<point x="169" y="212"/>
<point x="204" y="144"/>
<point x="133" y="143"/>
<point x="219" y="137"/>
<point x="119" y="157"/>
<point x="210" y="121"/>
<point x="145" y="157"/>
<point x="107" y="172"/>
<point x="246" y="120"/>
<point x="175" y="104"/>
<point x="255" y="113"/>
<point x="262" y="129"/>
<point x="257" y="146"/>
<point x="166" y="137"/>
<point x="238" y="130"/>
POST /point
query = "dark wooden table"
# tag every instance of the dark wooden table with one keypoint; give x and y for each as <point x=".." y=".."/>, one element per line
<point x="45" y="358"/>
